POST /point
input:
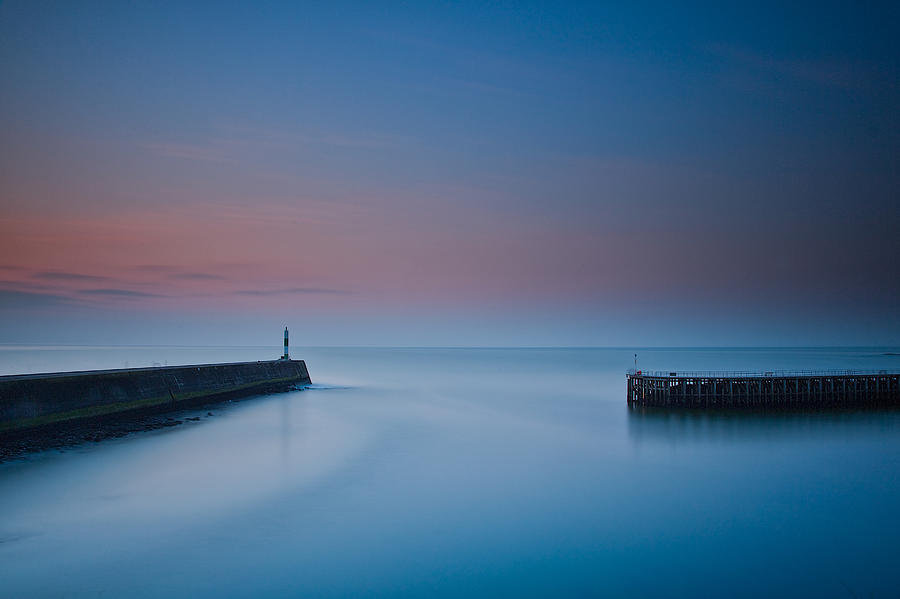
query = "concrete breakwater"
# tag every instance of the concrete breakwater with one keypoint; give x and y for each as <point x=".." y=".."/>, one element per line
<point x="775" y="390"/>
<point x="35" y="400"/>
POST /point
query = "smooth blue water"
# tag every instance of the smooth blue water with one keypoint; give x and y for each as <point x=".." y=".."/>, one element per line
<point x="451" y="472"/>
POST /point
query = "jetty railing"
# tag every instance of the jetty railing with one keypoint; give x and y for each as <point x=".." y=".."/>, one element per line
<point x="721" y="374"/>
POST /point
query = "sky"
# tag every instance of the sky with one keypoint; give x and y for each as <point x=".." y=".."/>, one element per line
<point x="429" y="174"/>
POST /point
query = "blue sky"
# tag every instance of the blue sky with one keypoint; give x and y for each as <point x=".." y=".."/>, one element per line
<point x="467" y="173"/>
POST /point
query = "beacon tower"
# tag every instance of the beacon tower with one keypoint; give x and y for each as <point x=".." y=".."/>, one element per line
<point x="286" y="356"/>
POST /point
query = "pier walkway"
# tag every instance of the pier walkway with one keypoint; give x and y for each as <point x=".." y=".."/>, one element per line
<point x="774" y="389"/>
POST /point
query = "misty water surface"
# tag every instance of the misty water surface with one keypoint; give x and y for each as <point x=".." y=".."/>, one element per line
<point x="451" y="472"/>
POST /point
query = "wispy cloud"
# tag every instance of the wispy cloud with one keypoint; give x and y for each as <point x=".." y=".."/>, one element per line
<point x="155" y="268"/>
<point x="125" y="293"/>
<point x="53" y="275"/>
<point x="293" y="290"/>
<point x="842" y="74"/>
<point x="196" y="276"/>
<point x="360" y="142"/>
<point x="212" y="152"/>
<point x="12" y="300"/>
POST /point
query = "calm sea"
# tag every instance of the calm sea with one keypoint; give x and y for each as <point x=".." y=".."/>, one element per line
<point x="461" y="472"/>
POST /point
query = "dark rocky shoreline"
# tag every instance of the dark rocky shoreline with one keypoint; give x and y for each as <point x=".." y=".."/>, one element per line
<point x="63" y="435"/>
<point x="22" y="443"/>
<point x="71" y="433"/>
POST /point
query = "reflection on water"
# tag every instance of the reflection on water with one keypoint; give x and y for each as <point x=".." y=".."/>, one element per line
<point x="715" y="426"/>
<point x="451" y="472"/>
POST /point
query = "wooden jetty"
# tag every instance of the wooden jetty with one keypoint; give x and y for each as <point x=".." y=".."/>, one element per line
<point x="764" y="390"/>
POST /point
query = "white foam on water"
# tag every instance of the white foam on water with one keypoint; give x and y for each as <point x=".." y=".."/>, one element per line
<point x="322" y="387"/>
